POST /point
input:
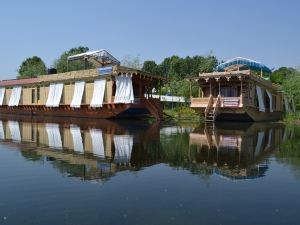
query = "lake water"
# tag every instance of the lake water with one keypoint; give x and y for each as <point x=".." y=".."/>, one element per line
<point x="134" y="172"/>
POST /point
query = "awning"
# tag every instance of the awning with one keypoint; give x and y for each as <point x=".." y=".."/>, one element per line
<point x="54" y="94"/>
<point x="249" y="63"/>
<point x="78" y="93"/>
<point x="15" y="96"/>
<point x="2" y="93"/>
<point x="261" y="104"/>
<point x="98" y="94"/>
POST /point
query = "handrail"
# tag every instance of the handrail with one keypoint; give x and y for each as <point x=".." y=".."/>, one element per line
<point x="218" y="105"/>
<point x="209" y="104"/>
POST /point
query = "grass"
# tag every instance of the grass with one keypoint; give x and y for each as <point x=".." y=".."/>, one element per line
<point x="183" y="113"/>
<point x="292" y="118"/>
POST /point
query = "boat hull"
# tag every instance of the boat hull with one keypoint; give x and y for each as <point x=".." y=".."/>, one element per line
<point x="106" y="112"/>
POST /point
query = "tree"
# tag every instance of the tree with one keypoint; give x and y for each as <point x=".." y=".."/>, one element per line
<point x="150" y="66"/>
<point x="291" y="87"/>
<point x="134" y="63"/>
<point x="32" y="67"/>
<point x="61" y="64"/>
<point x="278" y="76"/>
<point x="178" y="69"/>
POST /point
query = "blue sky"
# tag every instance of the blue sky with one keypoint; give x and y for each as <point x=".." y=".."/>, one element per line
<point x="267" y="31"/>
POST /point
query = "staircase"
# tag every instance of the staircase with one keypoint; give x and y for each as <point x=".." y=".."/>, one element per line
<point x="212" y="109"/>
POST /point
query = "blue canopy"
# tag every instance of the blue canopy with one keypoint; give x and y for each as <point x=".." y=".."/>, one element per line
<point x="245" y="64"/>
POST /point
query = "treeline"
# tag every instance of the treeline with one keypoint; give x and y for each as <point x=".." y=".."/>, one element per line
<point x="34" y="66"/>
<point x="175" y="68"/>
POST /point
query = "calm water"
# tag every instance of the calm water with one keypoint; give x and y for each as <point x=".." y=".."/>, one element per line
<point x="131" y="172"/>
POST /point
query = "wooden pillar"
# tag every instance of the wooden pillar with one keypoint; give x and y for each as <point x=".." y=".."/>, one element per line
<point x="210" y="87"/>
<point x="190" y="88"/>
<point x="219" y="79"/>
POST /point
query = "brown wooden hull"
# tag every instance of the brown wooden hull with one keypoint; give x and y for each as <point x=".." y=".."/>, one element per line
<point x="245" y="114"/>
<point x="105" y="112"/>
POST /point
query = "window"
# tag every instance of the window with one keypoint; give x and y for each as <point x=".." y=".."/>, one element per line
<point x="32" y="95"/>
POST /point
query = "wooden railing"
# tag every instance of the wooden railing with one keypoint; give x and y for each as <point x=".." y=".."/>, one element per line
<point x="209" y="105"/>
<point x="231" y="101"/>
<point x="217" y="106"/>
<point x="199" y="102"/>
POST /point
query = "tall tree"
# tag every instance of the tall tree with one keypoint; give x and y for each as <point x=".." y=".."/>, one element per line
<point x="32" y="67"/>
<point x="291" y="87"/>
<point x="132" y="62"/>
<point x="278" y="76"/>
<point x="61" y="64"/>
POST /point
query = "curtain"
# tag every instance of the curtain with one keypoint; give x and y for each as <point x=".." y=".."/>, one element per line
<point x="15" y="96"/>
<point x="97" y="143"/>
<point x="271" y="100"/>
<point x="77" y="139"/>
<point x="14" y="129"/>
<point x="261" y="104"/>
<point x="78" y="94"/>
<point x="54" y="138"/>
<point x="2" y="134"/>
<point x="98" y="94"/>
<point x="54" y="95"/>
<point x="123" y="148"/>
<point x="2" y="93"/>
<point x="124" y="90"/>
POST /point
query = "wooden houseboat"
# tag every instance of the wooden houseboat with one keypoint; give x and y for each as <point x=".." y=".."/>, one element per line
<point x="110" y="91"/>
<point x="238" y="91"/>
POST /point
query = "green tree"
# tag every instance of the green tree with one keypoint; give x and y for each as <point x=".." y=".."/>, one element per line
<point x="32" y="67"/>
<point x="278" y="76"/>
<point x="291" y="87"/>
<point x="134" y="63"/>
<point x="177" y="69"/>
<point x="61" y="64"/>
<point x="150" y="66"/>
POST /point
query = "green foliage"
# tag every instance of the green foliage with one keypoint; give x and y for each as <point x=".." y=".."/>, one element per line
<point x="184" y="113"/>
<point x="134" y="63"/>
<point x="32" y="67"/>
<point x="279" y="76"/>
<point x="150" y="66"/>
<point x="177" y="69"/>
<point x="291" y="87"/>
<point x="61" y="64"/>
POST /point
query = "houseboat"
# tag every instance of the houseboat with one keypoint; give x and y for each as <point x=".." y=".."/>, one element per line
<point x="109" y="91"/>
<point x="239" y="90"/>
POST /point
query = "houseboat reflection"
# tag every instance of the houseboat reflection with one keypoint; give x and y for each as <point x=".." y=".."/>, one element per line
<point x="237" y="151"/>
<point x="98" y="149"/>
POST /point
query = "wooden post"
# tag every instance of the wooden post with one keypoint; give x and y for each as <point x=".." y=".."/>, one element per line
<point x="219" y="85"/>
<point x="190" y="89"/>
<point x="209" y="86"/>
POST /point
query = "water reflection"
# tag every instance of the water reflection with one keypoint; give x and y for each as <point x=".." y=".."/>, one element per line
<point x="238" y="152"/>
<point x="98" y="149"/>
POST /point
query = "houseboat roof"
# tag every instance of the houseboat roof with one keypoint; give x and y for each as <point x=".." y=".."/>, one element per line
<point x="242" y="63"/>
<point x="81" y="74"/>
<point x="238" y="74"/>
<point x="16" y="82"/>
<point x="101" y="56"/>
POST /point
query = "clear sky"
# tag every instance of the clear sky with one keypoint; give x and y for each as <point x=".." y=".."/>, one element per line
<point x="264" y="30"/>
